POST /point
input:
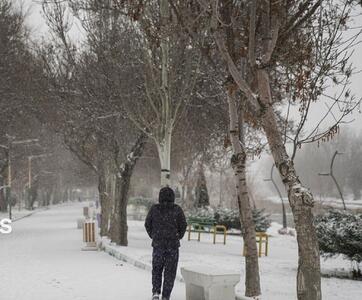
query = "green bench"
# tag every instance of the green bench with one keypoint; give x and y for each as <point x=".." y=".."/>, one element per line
<point x="207" y="225"/>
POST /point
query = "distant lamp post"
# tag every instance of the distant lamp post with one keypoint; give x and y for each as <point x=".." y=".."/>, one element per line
<point x="8" y="148"/>
<point x="331" y="174"/>
<point x="284" y="215"/>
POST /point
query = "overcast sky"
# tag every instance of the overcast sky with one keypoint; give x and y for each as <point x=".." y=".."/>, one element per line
<point x="36" y="22"/>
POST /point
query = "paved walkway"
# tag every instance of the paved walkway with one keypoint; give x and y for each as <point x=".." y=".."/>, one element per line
<point x="41" y="260"/>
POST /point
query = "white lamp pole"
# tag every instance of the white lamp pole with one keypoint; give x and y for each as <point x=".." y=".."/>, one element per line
<point x="12" y="142"/>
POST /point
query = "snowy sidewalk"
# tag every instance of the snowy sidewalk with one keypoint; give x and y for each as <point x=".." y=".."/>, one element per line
<point x="20" y="214"/>
<point x="278" y="270"/>
<point x="41" y="260"/>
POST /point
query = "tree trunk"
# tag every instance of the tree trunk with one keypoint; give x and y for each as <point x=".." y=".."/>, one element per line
<point x="3" y="206"/>
<point x="48" y="195"/>
<point x="164" y="152"/>
<point x="190" y="200"/>
<point x="33" y="195"/>
<point x="104" y="199"/>
<point x="65" y="195"/>
<point x="201" y="193"/>
<point x="183" y="190"/>
<point x="164" y="145"/>
<point x="110" y="189"/>
<point x="238" y="161"/>
<point x="220" y="188"/>
<point x="300" y="199"/>
<point x="119" y="227"/>
<point x="186" y="173"/>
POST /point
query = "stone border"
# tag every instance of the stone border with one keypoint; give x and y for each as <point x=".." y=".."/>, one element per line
<point x="24" y="216"/>
<point x="29" y="214"/>
<point x="104" y="244"/>
<point x="107" y="246"/>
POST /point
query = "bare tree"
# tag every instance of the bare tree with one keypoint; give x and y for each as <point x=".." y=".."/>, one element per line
<point x="18" y="84"/>
<point x="238" y="161"/>
<point x="276" y="42"/>
<point x="93" y="122"/>
<point x="169" y="70"/>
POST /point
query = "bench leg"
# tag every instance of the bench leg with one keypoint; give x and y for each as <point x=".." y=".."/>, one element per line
<point x="260" y="246"/>
<point x="214" y="235"/>
<point x="267" y="246"/>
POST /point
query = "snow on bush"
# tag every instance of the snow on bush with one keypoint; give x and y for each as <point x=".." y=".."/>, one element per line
<point x="230" y="217"/>
<point x="340" y="232"/>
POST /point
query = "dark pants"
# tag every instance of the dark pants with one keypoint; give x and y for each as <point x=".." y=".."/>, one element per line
<point x="164" y="261"/>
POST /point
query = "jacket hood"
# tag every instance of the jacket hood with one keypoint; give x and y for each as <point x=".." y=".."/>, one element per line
<point x="166" y="195"/>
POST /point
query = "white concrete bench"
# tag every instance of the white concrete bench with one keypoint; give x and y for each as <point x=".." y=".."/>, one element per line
<point x="209" y="283"/>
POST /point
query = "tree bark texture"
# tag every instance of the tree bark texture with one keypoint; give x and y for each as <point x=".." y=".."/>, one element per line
<point x="164" y="143"/>
<point x="300" y="199"/>
<point x="119" y="227"/>
<point x="3" y="206"/>
<point x="238" y="162"/>
<point x="104" y="199"/>
<point x="164" y="152"/>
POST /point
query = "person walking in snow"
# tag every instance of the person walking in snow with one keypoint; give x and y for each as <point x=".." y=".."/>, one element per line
<point x="166" y="226"/>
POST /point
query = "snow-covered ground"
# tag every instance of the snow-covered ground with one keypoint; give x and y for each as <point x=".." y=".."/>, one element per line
<point x="42" y="260"/>
<point x="278" y="270"/>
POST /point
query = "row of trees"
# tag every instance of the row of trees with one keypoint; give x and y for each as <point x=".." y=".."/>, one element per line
<point x="23" y="140"/>
<point x="197" y="79"/>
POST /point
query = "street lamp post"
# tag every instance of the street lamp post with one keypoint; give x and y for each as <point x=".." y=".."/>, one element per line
<point x="331" y="174"/>
<point x="29" y="172"/>
<point x="271" y="179"/>
<point x="8" y="194"/>
<point x="11" y="142"/>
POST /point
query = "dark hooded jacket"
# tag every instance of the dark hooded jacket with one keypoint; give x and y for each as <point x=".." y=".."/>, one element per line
<point x="166" y="222"/>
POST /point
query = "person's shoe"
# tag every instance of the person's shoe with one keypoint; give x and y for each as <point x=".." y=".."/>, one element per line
<point x="164" y="298"/>
<point x="156" y="297"/>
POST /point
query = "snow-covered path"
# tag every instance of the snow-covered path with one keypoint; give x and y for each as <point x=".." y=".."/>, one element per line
<point x="41" y="260"/>
<point x="277" y="270"/>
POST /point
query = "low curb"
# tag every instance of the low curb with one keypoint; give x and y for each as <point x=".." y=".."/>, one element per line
<point x="29" y="214"/>
<point x="112" y="249"/>
<point x="107" y="246"/>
